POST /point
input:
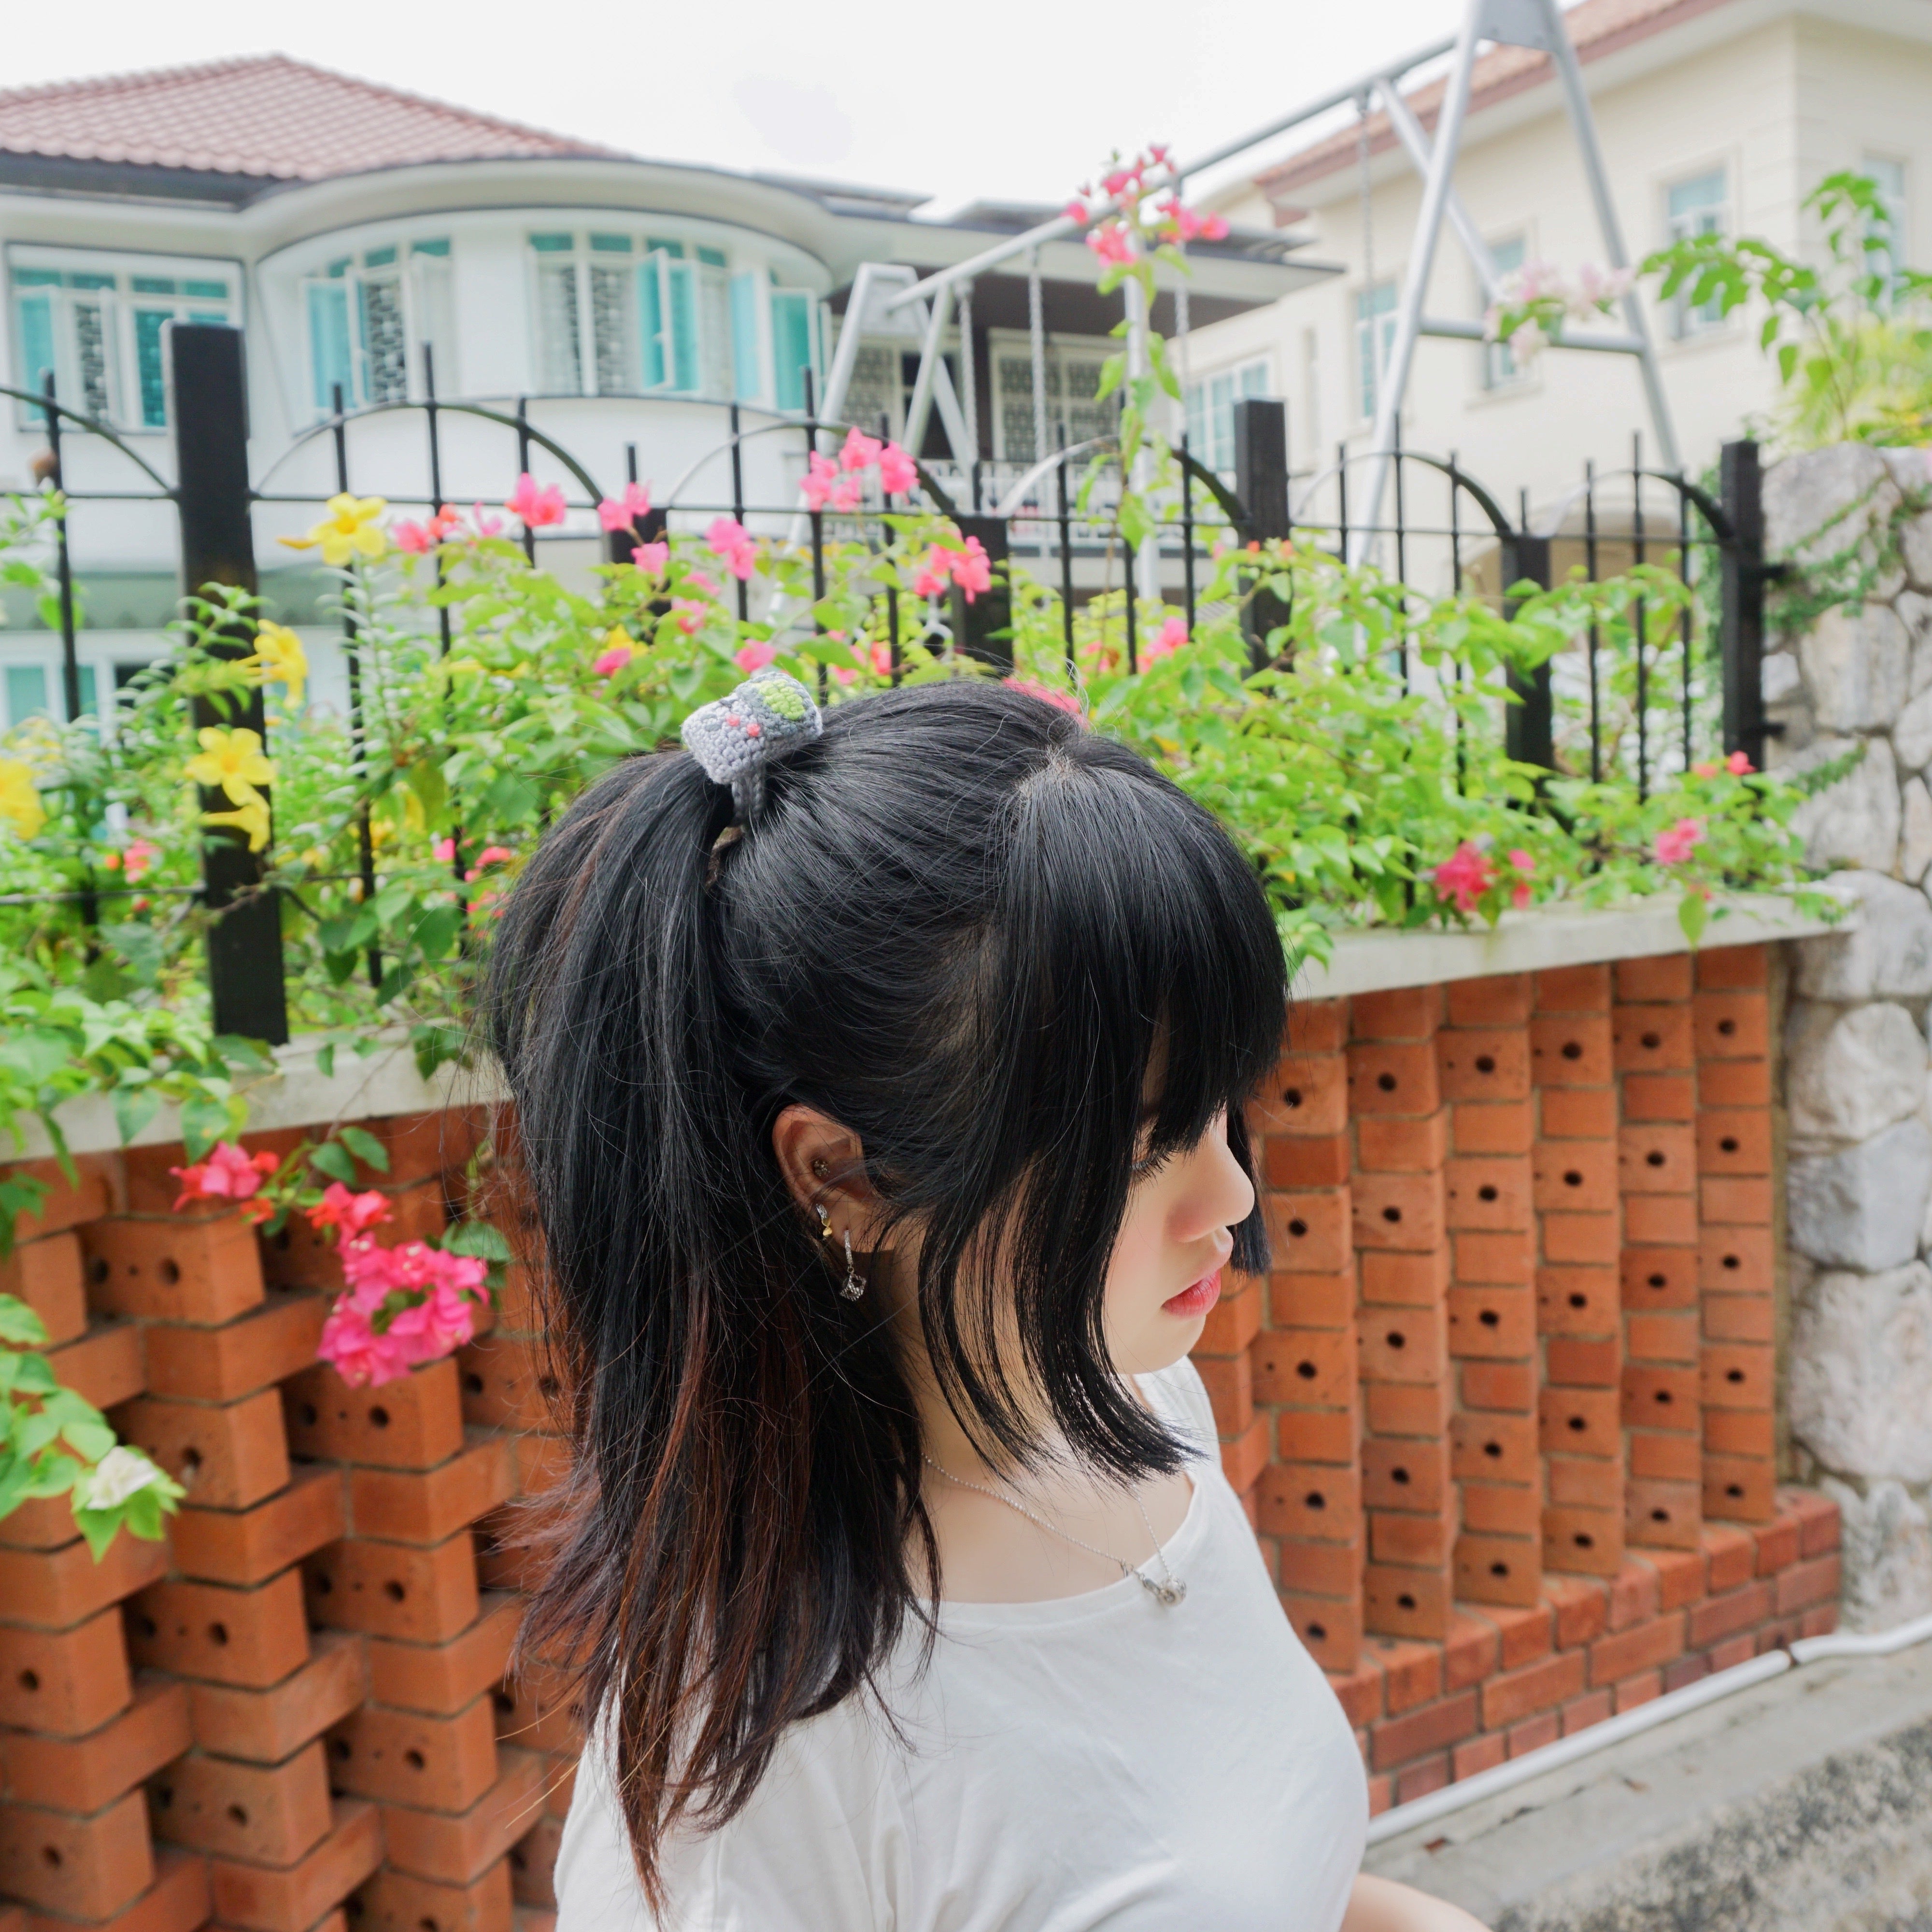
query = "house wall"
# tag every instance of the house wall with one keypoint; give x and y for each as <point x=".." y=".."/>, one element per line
<point x="1780" y="104"/>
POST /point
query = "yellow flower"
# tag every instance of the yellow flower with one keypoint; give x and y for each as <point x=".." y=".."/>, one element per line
<point x="251" y="817"/>
<point x="233" y="760"/>
<point x="20" y="802"/>
<point x="280" y="658"/>
<point x="349" y="530"/>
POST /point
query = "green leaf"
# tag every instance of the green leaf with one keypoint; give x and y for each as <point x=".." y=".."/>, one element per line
<point x="204" y="1119"/>
<point x="333" y="1158"/>
<point x="1694" y="914"/>
<point x="134" y="1107"/>
<point x="20" y="1327"/>
<point x="432" y="790"/>
<point x="366" y="1147"/>
<point x="325" y="1060"/>
<point x="479" y="1238"/>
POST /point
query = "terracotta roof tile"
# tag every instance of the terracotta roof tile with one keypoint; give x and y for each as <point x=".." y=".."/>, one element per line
<point x="265" y="116"/>
<point x="1597" y="28"/>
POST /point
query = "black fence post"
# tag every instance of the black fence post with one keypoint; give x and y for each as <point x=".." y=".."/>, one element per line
<point x="1529" y="727"/>
<point x="208" y="407"/>
<point x="1743" y="574"/>
<point x="985" y="627"/>
<point x="1261" y="482"/>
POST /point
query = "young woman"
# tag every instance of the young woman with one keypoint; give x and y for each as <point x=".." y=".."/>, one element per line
<point x="879" y="1082"/>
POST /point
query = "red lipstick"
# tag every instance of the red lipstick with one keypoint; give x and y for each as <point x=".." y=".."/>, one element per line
<point x="1192" y="1303"/>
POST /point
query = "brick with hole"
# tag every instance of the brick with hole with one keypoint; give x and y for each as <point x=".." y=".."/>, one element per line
<point x="536" y="1708"/>
<point x="421" y="1594"/>
<point x="1498" y="1448"/>
<point x="395" y="1901"/>
<point x="177" y="1901"/>
<point x="532" y="1862"/>
<point x="1492" y="1569"/>
<point x="226" y="1455"/>
<point x="1499" y="1322"/>
<point x="410" y="1757"/>
<point x="269" y="1898"/>
<point x="1404" y="1344"/>
<point x="175" y="1269"/>
<point x="1731" y="1025"/>
<point x="1738" y="1489"/>
<point x="264" y="1726"/>
<point x="223" y="1364"/>
<point x="55" y="1589"/>
<point x="431" y="1505"/>
<point x="1319" y="1502"/>
<point x="1573" y="1177"/>
<point x="1570" y="1049"/>
<point x="1394" y="1475"/>
<point x="1734" y="1141"/>
<point x="444" y="1677"/>
<point x="1308" y="1232"/>
<point x="1736" y="1260"/>
<point x="1651" y="1038"/>
<point x="47" y="1275"/>
<point x="1588" y="1542"/>
<point x="1402" y="1211"/>
<point x="1653" y="1279"/>
<point x="254" y="1637"/>
<point x="1657" y="1157"/>
<point x="1576" y="1300"/>
<point x="86" y="1774"/>
<point x="266" y="1814"/>
<point x="1484" y="1063"/>
<point x="1306" y="1094"/>
<point x="1581" y="1422"/>
<point x="249" y="1546"/>
<point x="65" y="1683"/>
<point x="413" y="1423"/>
<point x="1310" y="1367"/>
<point x="1488" y="1192"/>
<point x="1660" y="1398"/>
<point x="1405" y="1602"/>
<point x="455" y="1850"/>
<point x="1737" y="1375"/>
<point x="1386" y="1078"/>
<point x="81" y="1868"/>
<point x="1669" y="1515"/>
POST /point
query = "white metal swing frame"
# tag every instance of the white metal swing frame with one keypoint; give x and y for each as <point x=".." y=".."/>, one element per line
<point x="889" y="299"/>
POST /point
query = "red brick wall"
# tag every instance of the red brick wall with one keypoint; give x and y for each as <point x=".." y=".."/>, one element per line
<point x="1514" y="1366"/>
<point x="1502" y="1415"/>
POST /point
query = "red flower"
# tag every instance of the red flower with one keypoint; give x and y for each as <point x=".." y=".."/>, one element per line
<point x="228" y="1173"/>
<point x="351" y="1214"/>
<point x="1464" y="877"/>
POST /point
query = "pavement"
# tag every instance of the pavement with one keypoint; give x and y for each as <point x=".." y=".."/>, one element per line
<point x="1801" y="1804"/>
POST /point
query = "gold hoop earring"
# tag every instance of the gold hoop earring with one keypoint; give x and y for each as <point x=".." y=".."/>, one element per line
<point x="854" y="1283"/>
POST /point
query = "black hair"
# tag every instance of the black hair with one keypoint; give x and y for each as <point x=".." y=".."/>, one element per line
<point x="963" y="925"/>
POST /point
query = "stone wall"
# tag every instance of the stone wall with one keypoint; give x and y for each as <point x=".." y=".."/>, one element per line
<point x="1858" y="673"/>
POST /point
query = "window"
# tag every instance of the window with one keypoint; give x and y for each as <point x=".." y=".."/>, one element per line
<point x="365" y="313"/>
<point x="1888" y="176"/>
<point x="1699" y="206"/>
<point x="1500" y="367"/>
<point x="625" y="315"/>
<point x="26" y="693"/>
<point x="747" y="350"/>
<point x="1375" y="337"/>
<point x="1076" y="412"/>
<point x="96" y="324"/>
<point x="794" y="345"/>
<point x="1210" y="412"/>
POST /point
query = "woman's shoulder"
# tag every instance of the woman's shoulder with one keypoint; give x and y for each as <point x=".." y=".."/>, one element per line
<point x="1180" y="1398"/>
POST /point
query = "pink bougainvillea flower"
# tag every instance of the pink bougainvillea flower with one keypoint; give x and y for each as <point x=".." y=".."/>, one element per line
<point x="440" y="1324"/>
<point x="536" y="504"/>
<point x="1737" y="764"/>
<point x="882" y="659"/>
<point x="972" y="568"/>
<point x="1524" y="866"/>
<point x="444" y="850"/>
<point x="1063" y="700"/>
<point x="898" y="474"/>
<point x="699" y="582"/>
<point x="860" y="451"/>
<point x="651" y="558"/>
<point x="138" y="858"/>
<point x="1704" y="771"/>
<point x="690" y="617"/>
<point x="487" y="526"/>
<point x="754" y="656"/>
<point x="1168" y="639"/>
<point x="1464" y="877"/>
<point x="1111" y="242"/>
<point x="931" y="579"/>
<point x="821" y="479"/>
<point x="230" y="1173"/>
<point x="361" y="1357"/>
<point x="1075" y="210"/>
<point x="621" y="513"/>
<point x="612" y="660"/>
<point x="414" y="537"/>
<point x="1676" y="845"/>
<point x="729" y="539"/>
<point x="495" y="855"/>
<point x="845" y="674"/>
<point x="351" y="1214"/>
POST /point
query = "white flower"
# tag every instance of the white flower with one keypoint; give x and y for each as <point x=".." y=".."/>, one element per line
<point x="1527" y="341"/>
<point x="122" y="1472"/>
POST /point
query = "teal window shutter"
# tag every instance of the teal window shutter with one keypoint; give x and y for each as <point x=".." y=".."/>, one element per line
<point x="683" y="326"/>
<point x="748" y="379"/>
<point x="651" y="320"/>
<point x="26" y="692"/>
<point x="791" y="344"/>
<point x="86" y="688"/>
<point x="36" y="341"/>
<point x="328" y="342"/>
<point x="148" y="323"/>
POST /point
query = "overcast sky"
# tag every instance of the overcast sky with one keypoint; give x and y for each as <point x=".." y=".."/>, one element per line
<point x="1018" y="99"/>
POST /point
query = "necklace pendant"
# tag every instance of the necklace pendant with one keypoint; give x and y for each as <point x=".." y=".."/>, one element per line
<point x="1166" y="1593"/>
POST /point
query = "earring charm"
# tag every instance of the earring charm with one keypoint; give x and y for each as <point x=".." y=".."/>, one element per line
<point x="824" y="1219"/>
<point x="854" y="1284"/>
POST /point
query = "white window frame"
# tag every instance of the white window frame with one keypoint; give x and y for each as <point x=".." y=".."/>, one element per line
<point x="1371" y="334"/>
<point x="1209" y="401"/>
<point x="421" y="268"/>
<point x="1898" y="231"/>
<point x="1063" y="355"/>
<point x="1688" y="324"/>
<point x="121" y="302"/>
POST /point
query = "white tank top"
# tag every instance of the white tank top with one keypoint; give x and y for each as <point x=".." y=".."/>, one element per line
<point x="1098" y="1760"/>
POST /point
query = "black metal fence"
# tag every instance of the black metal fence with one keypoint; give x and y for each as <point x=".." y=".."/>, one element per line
<point x="1053" y="521"/>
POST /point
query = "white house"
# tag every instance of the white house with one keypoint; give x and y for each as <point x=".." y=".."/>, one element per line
<point x="1713" y="114"/>
<point x="360" y="237"/>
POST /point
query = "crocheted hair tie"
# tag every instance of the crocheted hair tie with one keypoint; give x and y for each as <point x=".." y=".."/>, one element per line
<point x="734" y="738"/>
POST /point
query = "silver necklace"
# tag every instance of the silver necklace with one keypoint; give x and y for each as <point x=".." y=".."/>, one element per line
<point x="1168" y="1593"/>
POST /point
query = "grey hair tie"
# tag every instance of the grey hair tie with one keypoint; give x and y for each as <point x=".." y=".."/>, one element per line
<point x="734" y="738"/>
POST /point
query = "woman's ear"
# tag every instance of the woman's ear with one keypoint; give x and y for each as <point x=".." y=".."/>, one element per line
<point x="824" y="1166"/>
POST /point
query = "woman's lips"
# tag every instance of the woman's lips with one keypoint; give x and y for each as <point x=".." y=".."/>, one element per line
<point x="1196" y="1301"/>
